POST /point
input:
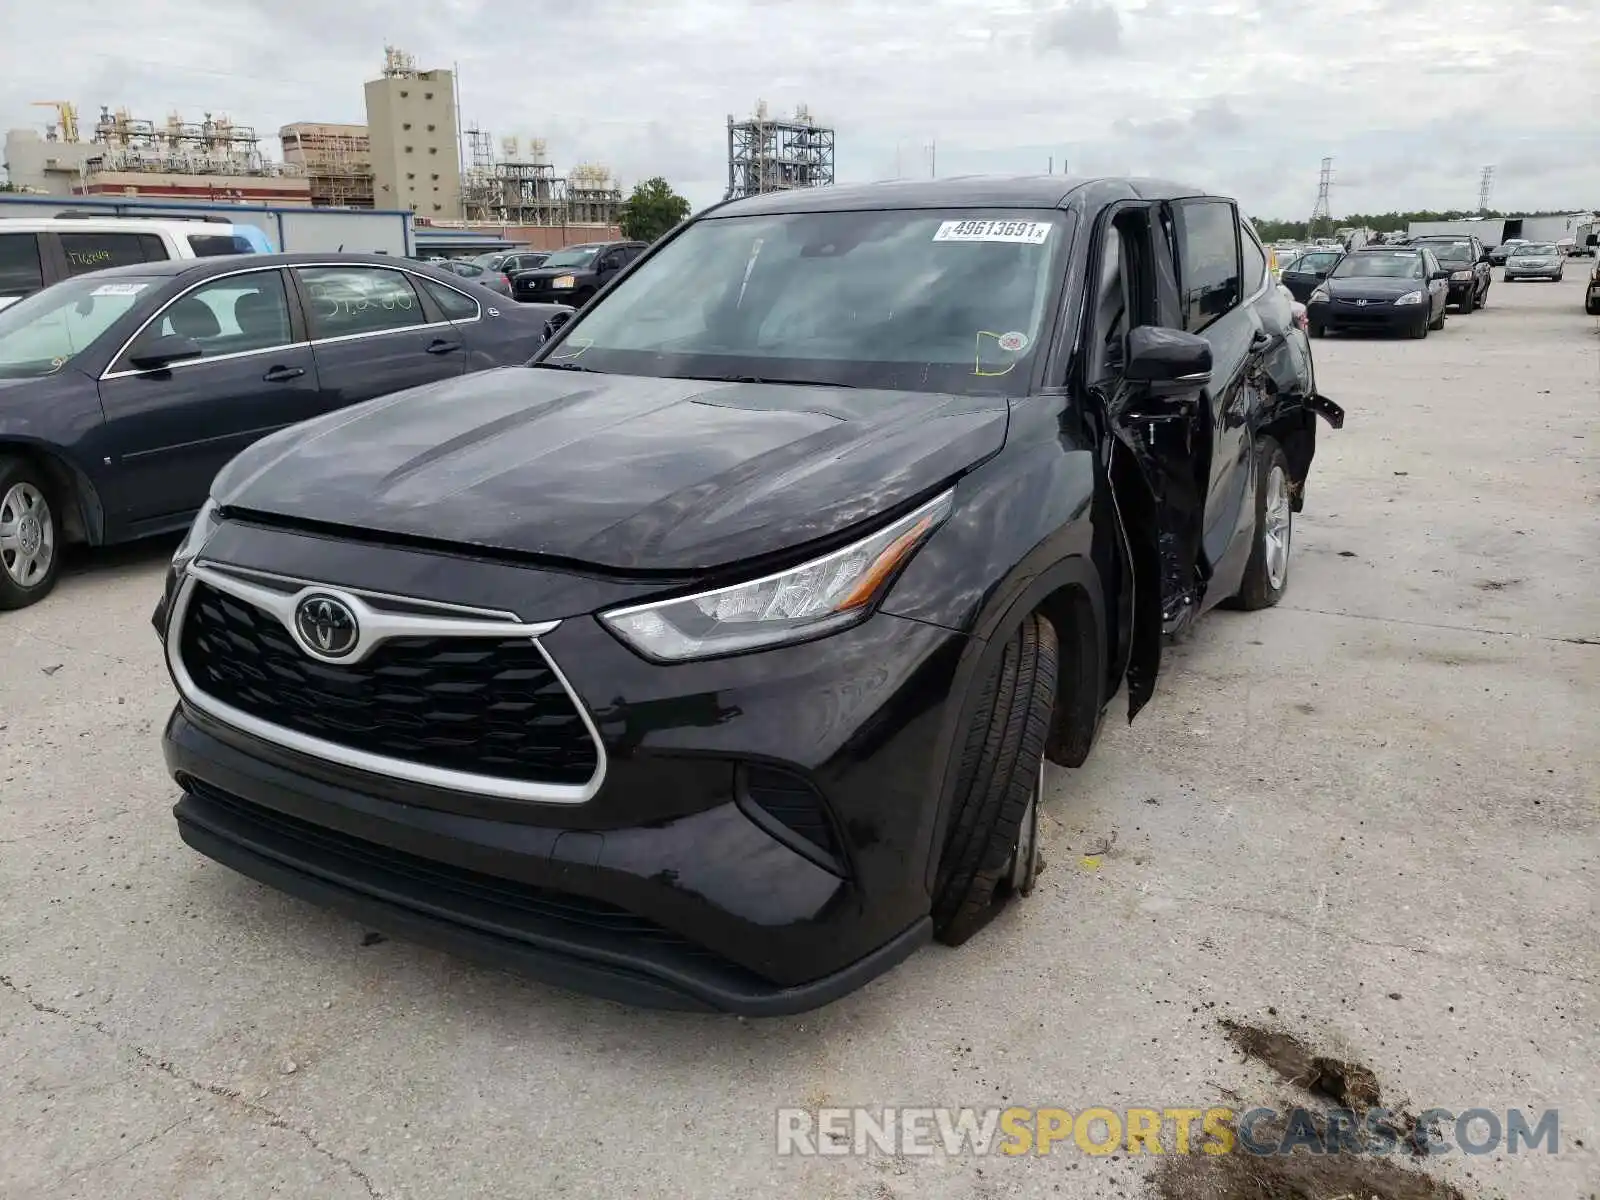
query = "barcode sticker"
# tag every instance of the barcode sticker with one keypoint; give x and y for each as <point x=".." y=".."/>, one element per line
<point x="1029" y="233"/>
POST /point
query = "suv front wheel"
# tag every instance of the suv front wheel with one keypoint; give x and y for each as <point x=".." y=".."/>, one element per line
<point x="30" y="557"/>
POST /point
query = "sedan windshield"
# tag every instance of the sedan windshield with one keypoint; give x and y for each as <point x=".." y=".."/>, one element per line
<point x="1400" y="264"/>
<point x="1534" y="250"/>
<point x="572" y="256"/>
<point x="42" y="333"/>
<point x="923" y="300"/>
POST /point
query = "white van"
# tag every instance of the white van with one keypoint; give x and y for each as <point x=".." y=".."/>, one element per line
<point x="36" y="253"/>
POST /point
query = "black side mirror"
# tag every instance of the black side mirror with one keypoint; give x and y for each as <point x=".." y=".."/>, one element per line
<point x="1592" y="240"/>
<point x="164" y="351"/>
<point x="1166" y="356"/>
<point x="554" y="325"/>
<point x="1440" y="275"/>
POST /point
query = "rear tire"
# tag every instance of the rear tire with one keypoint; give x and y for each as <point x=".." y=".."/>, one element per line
<point x="1266" y="575"/>
<point x="991" y="849"/>
<point x="30" y="534"/>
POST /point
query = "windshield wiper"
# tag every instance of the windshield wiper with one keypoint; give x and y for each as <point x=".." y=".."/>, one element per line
<point x="768" y="379"/>
<point x="566" y="366"/>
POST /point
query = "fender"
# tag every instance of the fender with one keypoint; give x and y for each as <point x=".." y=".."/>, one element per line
<point x="85" y="520"/>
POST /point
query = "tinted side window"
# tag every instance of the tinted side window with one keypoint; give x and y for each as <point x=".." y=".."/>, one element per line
<point x="609" y="261"/>
<point x="97" y="251"/>
<point x="228" y="316"/>
<point x="1208" y="250"/>
<point x="454" y="305"/>
<point x="155" y="250"/>
<point x="351" y="300"/>
<point x="20" y="272"/>
<point x="1255" y="261"/>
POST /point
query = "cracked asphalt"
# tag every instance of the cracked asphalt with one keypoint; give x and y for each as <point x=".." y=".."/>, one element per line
<point x="1367" y="816"/>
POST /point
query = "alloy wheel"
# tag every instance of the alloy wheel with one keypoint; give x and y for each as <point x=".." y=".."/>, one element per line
<point x="1277" y="523"/>
<point x="1025" y="859"/>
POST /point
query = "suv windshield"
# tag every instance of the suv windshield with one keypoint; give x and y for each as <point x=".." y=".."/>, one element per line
<point x="1451" y="251"/>
<point x="921" y="299"/>
<point x="1396" y="264"/>
<point x="42" y="333"/>
<point x="572" y="256"/>
<point x="1534" y="249"/>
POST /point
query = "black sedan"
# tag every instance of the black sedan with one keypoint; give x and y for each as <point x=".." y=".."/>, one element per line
<point x="1391" y="290"/>
<point x="1302" y="275"/>
<point x="715" y="658"/>
<point x="123" y="392"/>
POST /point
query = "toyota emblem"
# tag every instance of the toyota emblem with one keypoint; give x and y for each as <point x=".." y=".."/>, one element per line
<point x="326" y="625"/>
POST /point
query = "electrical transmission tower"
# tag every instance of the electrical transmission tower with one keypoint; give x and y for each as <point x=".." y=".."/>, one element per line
<point x="1485" y="183"/>
<point x="1322" y="212"/>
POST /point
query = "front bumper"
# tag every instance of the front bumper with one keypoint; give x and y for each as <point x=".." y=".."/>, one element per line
<point x="1461" y="290"/>
<point x="1374" y="315"/>
<point x="1546" y="271"/>
<point x="759" y="843"/>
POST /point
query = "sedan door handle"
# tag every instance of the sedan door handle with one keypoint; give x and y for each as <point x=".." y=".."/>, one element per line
<point x="283" y="374"/>
<point x="441" y="346"/>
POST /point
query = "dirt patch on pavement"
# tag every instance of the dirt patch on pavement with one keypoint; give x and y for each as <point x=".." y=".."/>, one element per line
<point x="1297" y="1176"/>
<point x="1302" y="1174"/>
<point x="1347" y="1084"/>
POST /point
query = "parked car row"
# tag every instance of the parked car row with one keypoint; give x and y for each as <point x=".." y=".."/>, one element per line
<point x="124" y="391"/>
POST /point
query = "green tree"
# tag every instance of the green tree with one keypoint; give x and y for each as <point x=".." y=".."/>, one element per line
<point x="652" y="210"/>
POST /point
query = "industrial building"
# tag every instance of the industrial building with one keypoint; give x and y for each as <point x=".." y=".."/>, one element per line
<point x="773" y="154"/>
<point x="523" y="188"/>
<point x="209" y="160"/>
<point x="335" y="159"/>
<point x="413" y="134"/>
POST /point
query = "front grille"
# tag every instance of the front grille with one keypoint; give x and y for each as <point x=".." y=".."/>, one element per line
<point x="481" y="705"/>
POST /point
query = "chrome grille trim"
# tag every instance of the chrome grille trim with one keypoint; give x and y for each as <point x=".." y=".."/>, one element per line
<point x="383" y="625"/>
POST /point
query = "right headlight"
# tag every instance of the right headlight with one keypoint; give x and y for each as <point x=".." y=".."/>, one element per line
<point x="818" y="597"/>
<point x="1410" y="298"/>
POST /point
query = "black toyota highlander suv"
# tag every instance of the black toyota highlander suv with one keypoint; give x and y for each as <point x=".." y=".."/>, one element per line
<point x="713" y="659"/>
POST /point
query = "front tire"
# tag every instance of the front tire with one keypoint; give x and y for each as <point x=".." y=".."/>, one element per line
<point x="991" y="849"/>
<point x="1266" y="575"/>
<point x="1466" y="306"/>
<point x="30" y="534"/>
<point x="1420" y="329"/>
<point x="1438" y="324"/>
<point x="1317" y="330"/>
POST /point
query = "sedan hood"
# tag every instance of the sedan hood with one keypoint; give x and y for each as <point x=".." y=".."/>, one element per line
<point x="1371" y="287"/>
<point x="617" y="471"/>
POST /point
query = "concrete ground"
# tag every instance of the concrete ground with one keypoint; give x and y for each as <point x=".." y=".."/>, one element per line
<point x="1371" y="809"/>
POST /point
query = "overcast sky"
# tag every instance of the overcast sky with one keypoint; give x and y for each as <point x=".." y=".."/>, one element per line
<point x="1411" y="98"/>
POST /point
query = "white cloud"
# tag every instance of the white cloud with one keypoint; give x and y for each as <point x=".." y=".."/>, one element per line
<point x="1410" y="97"/>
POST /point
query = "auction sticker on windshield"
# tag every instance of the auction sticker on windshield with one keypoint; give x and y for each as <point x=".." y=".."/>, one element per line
<point x="119" y="289"/>
<point x="1031" y="233"/>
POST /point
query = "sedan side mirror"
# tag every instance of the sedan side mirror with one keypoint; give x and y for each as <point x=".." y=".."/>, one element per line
<point x="164" y="351"/>
<point x="554" y="325"/>
<point x="1166" y="356"/>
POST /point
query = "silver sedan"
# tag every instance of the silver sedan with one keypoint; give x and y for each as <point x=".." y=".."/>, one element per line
<point x="1535" y="260"/>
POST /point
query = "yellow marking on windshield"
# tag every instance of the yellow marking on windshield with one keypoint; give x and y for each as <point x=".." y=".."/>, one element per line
<point x="977" y="355"/>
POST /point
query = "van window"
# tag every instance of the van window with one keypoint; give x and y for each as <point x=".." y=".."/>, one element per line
<point x="20" y="272"/>
<point x="215" y="245"/>
<point x="97" y="251"/>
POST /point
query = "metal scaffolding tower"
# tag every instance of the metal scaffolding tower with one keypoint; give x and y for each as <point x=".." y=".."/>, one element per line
<point x="1485" y="184"/>
<point x="522" y="187"/>
<point x="1322" y="212"/>
<point x="774" y="154"/>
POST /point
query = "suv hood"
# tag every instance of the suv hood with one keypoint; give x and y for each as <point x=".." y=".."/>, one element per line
<point x="617" y="471"/>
